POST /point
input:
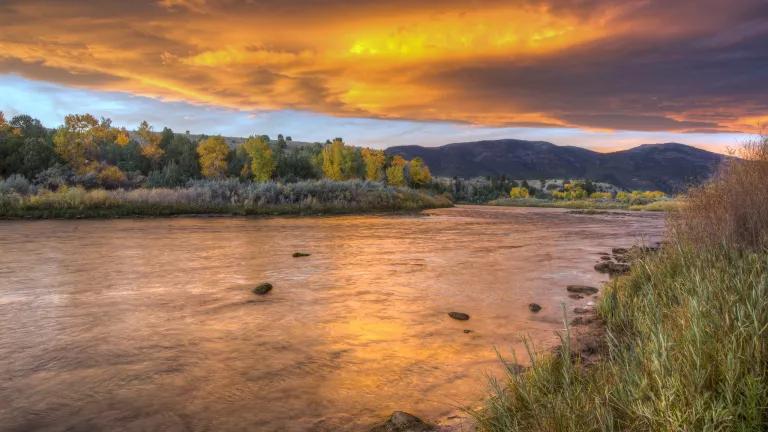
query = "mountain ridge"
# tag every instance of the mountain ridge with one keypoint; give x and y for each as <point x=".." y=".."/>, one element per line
<point x="670" y="166"/>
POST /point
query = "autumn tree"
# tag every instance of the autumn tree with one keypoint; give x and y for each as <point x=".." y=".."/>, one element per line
<point x="374" y="163"/>
<point x="419" y="172"/>
<point x="75" y="141"/>
<point x="150" y="143"/>
<point x="518" y="192"/>
<point x="261" y="155"/>
<point x="396" y="171"/>
<point x="213" y="153"/>
<point x="333" y="159"/>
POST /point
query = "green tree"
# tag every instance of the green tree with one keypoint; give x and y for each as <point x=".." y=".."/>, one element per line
<point x="262" y="160"/>
<point x="213" y="152"/>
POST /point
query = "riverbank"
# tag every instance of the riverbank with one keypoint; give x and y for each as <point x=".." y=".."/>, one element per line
<point x="685" y="344"/>
<point x="219" y="198"/>
<point x="588" y="204"/>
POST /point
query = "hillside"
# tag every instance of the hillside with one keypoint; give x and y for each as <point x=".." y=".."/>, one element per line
<point x="668" y="167"/>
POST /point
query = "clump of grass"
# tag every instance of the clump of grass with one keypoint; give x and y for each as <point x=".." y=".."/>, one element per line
<point x="687" y="331"/>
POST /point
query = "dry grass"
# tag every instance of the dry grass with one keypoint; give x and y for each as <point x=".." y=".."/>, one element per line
<point x="733" y="208"/>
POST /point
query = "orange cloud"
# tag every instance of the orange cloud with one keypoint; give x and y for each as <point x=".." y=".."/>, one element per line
<point x="599" y="64"/>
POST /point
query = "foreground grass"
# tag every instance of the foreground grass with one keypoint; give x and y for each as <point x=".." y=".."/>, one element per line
<point x="222" y="197"/>
<point x="587" y="204"/>
<point x="686" y="351"/>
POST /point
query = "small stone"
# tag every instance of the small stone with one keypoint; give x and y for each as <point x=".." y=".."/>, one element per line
<point x="603" y="267"/>
<point x="263" y="288"/>
<point x="581" y="289"/>
<point x="580" y="310"/>
<point x="581" y="321"/>
<point x="300" y="254"/>
<point x="605" y="258"/>
<point x="461" y="316"/>
<point x="575" y="296"/>
<point x="619" y="251"/>
<point x="467" y="331"/>
<point x="533" y="307"/>
<point x="401" y="421"/>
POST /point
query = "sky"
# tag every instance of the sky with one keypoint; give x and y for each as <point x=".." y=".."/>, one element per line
<point x="602" y="74"/>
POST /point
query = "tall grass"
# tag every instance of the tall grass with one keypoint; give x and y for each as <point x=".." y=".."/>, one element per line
<point x="223" y="196"/>
<point x="686" y="345"/>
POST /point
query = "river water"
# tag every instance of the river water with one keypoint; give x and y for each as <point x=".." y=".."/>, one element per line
<point x="150" y="324"/>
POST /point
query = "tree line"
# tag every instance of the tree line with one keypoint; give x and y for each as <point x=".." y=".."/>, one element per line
<point x="94" y="153"/>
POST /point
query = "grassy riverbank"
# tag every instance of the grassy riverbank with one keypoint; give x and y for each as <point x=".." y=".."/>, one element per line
<point x="588" y="204"/>
<point x="218" y="197"/>
<point x="686" y="347"/>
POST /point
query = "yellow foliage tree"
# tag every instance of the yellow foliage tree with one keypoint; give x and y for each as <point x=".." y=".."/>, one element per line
<point x="374" y="161"/>
<point x="396" y="171"/>
<point x="213" y="152"/>
<point x="150" y="143"/>
<point x="75" y="140"/>
<point x="122" y="139"/>
<point x="419" y="172"/>
<point x="519" y="192"/>
<point x="333" y="159"/>
<point x="262" y="160"/>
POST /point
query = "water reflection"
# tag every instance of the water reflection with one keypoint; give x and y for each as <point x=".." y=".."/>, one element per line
<point x="150" y="324"/>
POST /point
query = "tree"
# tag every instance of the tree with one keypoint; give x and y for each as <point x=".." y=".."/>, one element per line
<point x="262" y="160"/>
<point x="75" y="140"/>
<point x="37" y="155"/>
<point x="150" y="143"/>
<point x="419" y="172"/>
<point x="333" y="158"/>
<point x="396" y="171"/>
<point x="374" y="161"/>
<point x="213" y="153"/>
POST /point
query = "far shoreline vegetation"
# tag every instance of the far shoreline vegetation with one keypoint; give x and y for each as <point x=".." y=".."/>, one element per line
<point x="89" y="168"/>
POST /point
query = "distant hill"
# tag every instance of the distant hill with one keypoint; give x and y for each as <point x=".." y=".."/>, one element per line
<point x="669" y="167"/>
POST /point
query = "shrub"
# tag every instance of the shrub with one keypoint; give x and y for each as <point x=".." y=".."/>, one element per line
<point x="518" y="192"/>
<point x="16" y="183"/>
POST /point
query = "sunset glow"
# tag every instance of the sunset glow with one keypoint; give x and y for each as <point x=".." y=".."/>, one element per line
<point x="598" y="66"/>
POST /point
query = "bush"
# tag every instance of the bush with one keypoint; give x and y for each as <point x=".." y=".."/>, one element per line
<point x="518" y="192"/>
<point x="16" y="183"/>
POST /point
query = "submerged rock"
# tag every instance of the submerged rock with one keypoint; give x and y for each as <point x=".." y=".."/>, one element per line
<point x="619" y="251"/>
<point x="575" y="296"/>
<point x="581" y="289"/>
<point x="300" y="254"/>
<point x="533" y="307"/>
<point x="605" y="257"/>
<point x="262" y="288"/>
<point x="580" y="310"/>
<point x="467" y="331"/>
<point x="461" y="316"/>
<point x="401" y="421"/>
<point x="580" y="320"/>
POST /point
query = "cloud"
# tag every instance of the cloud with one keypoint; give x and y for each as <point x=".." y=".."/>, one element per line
<point x="598" y="64"/>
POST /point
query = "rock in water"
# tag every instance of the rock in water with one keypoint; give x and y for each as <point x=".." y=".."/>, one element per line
<point x="461" y="316"/>
<point x="533" y="307"/>
<point x="300" y="254"/>
<point x="401" y="421"/>
<point x="580" y="310"/>
<point x="603" y="266"/>
<point x="575" y="296"/>
<point x="262" y="288"/>
<point x="619" y="251"/>
<point x="581" y="289"/>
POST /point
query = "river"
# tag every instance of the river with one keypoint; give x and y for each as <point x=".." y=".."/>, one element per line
<point x="150" y="324"/>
